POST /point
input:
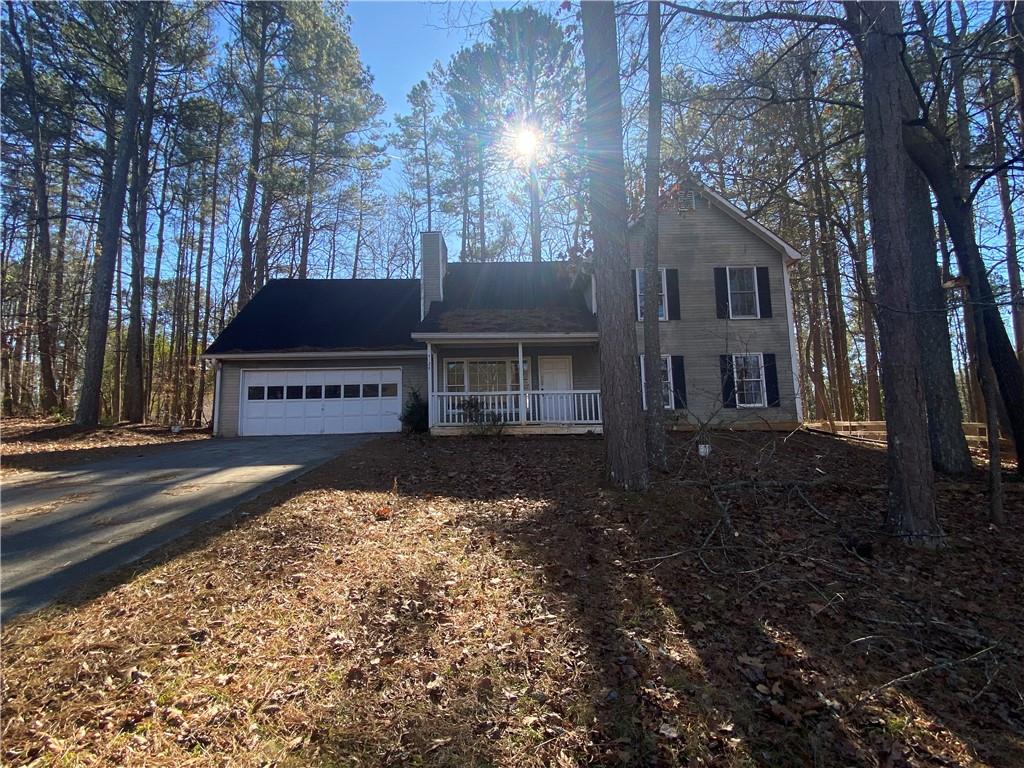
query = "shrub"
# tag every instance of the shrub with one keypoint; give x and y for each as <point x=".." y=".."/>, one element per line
<point x="414" y="416"/>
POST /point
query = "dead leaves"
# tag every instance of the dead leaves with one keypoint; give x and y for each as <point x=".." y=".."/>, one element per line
<point x="493" y="605"/>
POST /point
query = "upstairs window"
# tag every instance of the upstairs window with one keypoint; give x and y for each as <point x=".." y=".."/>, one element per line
<point x="743" y="292"/>
<point x="641" y="286"/>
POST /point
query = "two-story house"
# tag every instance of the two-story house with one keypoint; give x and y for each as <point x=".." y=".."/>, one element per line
<point x="516" y="344"/>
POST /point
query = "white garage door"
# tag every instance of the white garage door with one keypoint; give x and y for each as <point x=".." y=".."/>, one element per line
<point x="321" y="401"/>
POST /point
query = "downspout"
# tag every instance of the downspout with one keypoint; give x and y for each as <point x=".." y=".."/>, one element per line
<point x="522" y="398"/>
<point x="794" y="360"/>
<point x="430" y="387"/>
<point x="216" y="399"/>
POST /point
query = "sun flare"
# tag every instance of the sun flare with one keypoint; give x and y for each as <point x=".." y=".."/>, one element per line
<point x="525" y="144"/>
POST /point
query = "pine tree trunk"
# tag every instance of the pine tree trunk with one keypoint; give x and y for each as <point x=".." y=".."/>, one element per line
<point x="620" y="380"/>
<point x="936" y="162"/>
<point x="1014" y="12"/>
<point x="867" y="303"/>
<point x="945" y="419"/>
<point x="44" y="325"/>
<point x="655" y="414"/>
<point x="247" y="268"/>
<point x="822" y="406"/>
<point x="208" y="309"/>
<point x="134" y="396"/>
<point x="1009" y="223"/>
<point x="21" y="315"/>
<point x="481" y="213"/>
<point x="307" y="211"/>
<point x="911" y="513"/>
<point x="59" y="265"/>
<point x="89" y="401"/>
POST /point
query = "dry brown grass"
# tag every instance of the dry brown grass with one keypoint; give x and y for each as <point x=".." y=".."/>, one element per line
<point x="40" y="444"/>
<point x="489" y="602"/>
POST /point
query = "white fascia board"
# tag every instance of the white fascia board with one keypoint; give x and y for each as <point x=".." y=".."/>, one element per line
<point x="315" y="355"/>
<point x="459" y="337"/>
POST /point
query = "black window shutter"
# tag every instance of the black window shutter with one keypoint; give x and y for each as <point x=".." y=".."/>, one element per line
<point x="728" y="387"/>
<point x="672" y="288"/>
<point x="678" y="382"/>
<point x="636" y="290"/>
<point x="764" y="292"/>
<point x="721" y="292"/>
<point x="771" y="381"/>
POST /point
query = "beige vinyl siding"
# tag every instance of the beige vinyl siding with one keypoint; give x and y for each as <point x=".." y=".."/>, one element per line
<point x="414" y="376"/>
<point x="585" y="371"/>
<point x="695" y="242"/>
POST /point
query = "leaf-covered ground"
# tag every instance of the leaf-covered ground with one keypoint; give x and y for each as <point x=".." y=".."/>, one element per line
<point x="466" y="602"/>
<point x="38" y="444"/>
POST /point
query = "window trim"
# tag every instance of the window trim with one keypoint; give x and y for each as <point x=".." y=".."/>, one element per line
<point x="728" y="293"/>
<point x="667" y="359"/>
<point x="736" y="381"/>
<point x="511" y="361"/>
<point x="663" y="314"/>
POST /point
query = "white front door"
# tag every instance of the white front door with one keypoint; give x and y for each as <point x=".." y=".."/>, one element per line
<point x="554" y="376"/>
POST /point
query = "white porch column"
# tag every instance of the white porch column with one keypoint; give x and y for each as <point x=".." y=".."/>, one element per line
<point x="522" y="388"/>
<point x="430" y="386"/>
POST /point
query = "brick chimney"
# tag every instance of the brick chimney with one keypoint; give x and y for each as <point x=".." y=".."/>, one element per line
<point x="434" y="255"/>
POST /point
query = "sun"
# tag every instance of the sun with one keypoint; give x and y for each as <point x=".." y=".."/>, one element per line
<point x="527" y="143"/>
<point x="524" y="145"/>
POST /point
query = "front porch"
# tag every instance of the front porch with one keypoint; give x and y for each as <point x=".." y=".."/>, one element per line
<point x="526" y="387"/>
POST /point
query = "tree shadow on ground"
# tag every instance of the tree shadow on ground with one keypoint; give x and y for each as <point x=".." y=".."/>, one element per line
<point x="771" y="634"/>
<point x="618" y="629"/>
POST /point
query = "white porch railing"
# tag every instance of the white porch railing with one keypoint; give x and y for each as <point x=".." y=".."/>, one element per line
<point x="580" y="406"/>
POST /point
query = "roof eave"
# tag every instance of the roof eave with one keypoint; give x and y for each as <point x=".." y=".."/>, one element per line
<point x="313" y="355"/>
<point x="505" y="336"/>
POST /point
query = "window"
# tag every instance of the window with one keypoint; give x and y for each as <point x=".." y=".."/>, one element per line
<point x="455" y="377"/>
<point x="351" y="391"/>
<point x="742" y="292"/>
<point x="332" y="391"/>
<point x="667" y="385"/>
<point x="293" y="392"/>
<point x="275" y="393"/>
<point x="641" y="280"/>
<point x="371" y="390"/>
<point x="313" y="391"/>
<point x="255" y="393"/>
<point x="389" y="389"/>
<point x="485" y="375"/>
<point x="748" y="375"/>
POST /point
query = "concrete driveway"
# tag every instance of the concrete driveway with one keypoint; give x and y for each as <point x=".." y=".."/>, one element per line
<point x="61" y="529"/>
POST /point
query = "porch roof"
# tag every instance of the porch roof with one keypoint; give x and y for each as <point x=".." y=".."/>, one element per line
<point x="509" y="297"/>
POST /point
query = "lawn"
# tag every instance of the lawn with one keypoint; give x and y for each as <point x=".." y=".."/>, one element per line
<point x="41" y="444"/>
<point x="490" y="601"/>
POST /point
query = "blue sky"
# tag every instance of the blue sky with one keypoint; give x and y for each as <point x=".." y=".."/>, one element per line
<point x="400" y="41"/>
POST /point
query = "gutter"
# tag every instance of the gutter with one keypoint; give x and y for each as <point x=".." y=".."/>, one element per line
<point x="312" y="355"/>
<point x="575" y="335"/>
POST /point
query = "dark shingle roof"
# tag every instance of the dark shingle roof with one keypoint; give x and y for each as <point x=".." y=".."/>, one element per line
<point x="324" y="316"/>
<point x="499" y="297"/>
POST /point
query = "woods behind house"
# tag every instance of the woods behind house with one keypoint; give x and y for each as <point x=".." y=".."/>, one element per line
<point x="162" y="161"/>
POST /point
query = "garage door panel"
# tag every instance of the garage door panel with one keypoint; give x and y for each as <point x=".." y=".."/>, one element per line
<point x="298" y="401"/>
